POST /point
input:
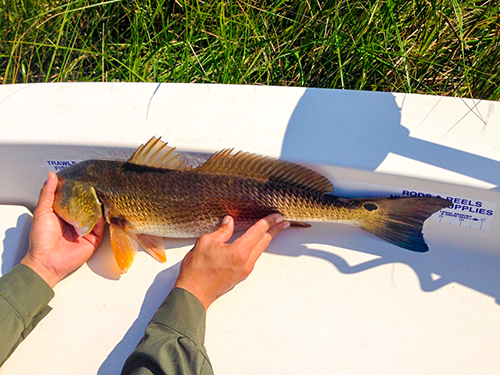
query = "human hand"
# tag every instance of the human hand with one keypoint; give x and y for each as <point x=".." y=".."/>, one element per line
<point x="213" y="267"/>
<point x="55" y="248"/>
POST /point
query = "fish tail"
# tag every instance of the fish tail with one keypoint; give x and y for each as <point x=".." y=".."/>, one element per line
<point x="400" y="221"/>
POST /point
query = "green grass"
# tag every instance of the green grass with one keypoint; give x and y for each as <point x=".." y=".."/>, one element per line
<point x="434" y="47"/>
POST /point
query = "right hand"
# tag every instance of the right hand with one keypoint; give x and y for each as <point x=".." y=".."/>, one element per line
<point x="213" y="267"/>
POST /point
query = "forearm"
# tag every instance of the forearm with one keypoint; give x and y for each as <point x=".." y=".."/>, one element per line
<point x="173" y="341"/>
<point x="24" y="298"/>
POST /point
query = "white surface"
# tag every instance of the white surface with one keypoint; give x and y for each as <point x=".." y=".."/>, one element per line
<point x="15" y="224"/>
<point x="329" y="299"/>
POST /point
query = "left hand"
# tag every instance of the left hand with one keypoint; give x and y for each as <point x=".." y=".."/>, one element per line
<point x="214" y="266"/>
<point x="56" y="250"/>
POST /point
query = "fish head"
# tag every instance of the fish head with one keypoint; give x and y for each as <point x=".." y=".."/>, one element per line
<point x="76" y="203"/>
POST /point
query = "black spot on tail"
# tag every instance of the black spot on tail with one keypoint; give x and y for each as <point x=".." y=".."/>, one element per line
<point x="370" y="206"/>
<point x="400" y="221"/>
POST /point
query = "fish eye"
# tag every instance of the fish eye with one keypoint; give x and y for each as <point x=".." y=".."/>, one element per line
<point x="370" y="206"/>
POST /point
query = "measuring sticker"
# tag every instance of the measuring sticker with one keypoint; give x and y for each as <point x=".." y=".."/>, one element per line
<point x="466" y="212"/>
<point x="56" y="165"/>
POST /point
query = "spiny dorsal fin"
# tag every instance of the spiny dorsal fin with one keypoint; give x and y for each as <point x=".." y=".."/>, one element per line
<point x="252" y="165"/>
<point x="156" y="154"/>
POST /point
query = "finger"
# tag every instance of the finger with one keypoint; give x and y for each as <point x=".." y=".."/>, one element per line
<point x="225" y="231"/>
<point x="266" y="240"/>
<point x="256" y="232"/>
<point x="95" y="237"/>
<point x="47" y="194"/>
<point x="99" y="227"/>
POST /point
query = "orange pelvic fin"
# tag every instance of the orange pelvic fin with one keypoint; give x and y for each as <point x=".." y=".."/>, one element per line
<point x="153" y="245"/>
<point x="123" y="243"/>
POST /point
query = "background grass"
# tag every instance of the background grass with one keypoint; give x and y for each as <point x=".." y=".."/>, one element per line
<point x="435" y="47"/>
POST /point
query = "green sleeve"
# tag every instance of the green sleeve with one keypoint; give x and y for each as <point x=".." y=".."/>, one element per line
<point x="24" y="298"/>
<point x="173" y="341"/>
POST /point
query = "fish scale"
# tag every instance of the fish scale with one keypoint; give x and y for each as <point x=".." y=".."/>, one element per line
<point x="155" y="194"/>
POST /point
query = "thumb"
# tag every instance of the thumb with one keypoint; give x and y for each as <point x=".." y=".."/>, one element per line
<point x="47" y="194"/>
<point x="225" y="231"/>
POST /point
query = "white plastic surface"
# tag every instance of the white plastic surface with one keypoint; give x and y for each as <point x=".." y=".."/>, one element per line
<point x="328" y="299"/>
<point x="15" y="224"/>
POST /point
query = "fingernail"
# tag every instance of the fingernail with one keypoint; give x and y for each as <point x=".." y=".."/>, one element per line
<point x="279" y="219"/>
<point x="225" y="220"/>
<point x="286" y="225"/>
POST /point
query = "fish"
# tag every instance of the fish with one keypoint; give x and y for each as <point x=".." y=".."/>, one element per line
<point x="156" y="194"/>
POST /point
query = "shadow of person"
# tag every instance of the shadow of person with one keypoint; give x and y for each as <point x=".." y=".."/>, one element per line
<point x="349" y="128"/>
<point x="441" y="266"/>
<point x="16" y="242"/>
<point x="103" y="262"/>
<point x="358" y="129"/>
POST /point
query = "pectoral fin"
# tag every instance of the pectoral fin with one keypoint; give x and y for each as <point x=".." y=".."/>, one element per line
<point x="154" y="246"/>
<point x="123" y="243"/>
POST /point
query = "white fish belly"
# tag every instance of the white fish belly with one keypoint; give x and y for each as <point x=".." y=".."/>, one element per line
<point x="188" y="230"/>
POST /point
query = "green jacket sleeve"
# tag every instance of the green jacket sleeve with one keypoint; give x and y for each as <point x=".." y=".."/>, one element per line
<point x="24" y="298"/>
<point x="173" y="341"/>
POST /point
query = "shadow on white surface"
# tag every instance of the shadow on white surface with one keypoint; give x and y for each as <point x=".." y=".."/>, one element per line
<point x="16" y="242"/>
<point x="442" y="265"/>
<point x="358" y="129"/>
<point x="347" y="128"/>
<point x="350" y="128"/>
<point x="104" y="264"/>
<point x="102" y="261"/>
<point x="26" y="167"/>
<point x="157" y="292"/>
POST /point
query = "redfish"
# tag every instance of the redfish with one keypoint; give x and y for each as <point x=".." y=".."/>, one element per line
<point x="155" y="194"/>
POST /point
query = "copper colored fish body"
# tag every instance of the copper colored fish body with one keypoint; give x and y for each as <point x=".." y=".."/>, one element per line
<point x="155" y="194"/>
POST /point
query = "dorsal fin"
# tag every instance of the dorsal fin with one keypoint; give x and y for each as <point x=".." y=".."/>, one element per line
<point x="156" y="154"/>
<point x="252" y="165"/>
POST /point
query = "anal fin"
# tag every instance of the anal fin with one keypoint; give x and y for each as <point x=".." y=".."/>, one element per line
<point x="153" y="245"/>
<point x="123" y="243"/>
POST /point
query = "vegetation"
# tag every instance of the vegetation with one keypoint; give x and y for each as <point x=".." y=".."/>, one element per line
<point x="443" y="47"/>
